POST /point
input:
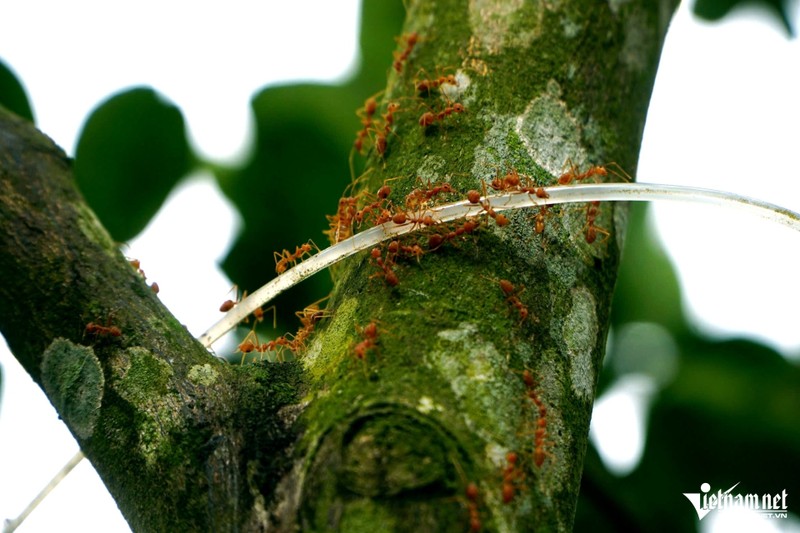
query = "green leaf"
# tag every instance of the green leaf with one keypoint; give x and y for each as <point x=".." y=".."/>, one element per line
<point x="647" y="287"/>
<point x="716" y="9"/>
<point x="298" y="171"/>
<point x="12" y="94"/>
<point x="304" y="134"/>
<point x="131" y="153"/>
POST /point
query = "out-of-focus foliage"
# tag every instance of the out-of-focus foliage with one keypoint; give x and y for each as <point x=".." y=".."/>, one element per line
<point x="299" y="169"/>
<point x="717" y="9"/>
<point x="131" y="152"/>
<point x="12" y="94"/>
<point x="723" y="411"/>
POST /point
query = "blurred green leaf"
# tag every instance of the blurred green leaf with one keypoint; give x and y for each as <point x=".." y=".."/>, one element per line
<point x="729" y="416"/>
<point x="12" y="94"/>
<point x="714" y="10"/>
<point x="647" y="287"/>
<point x="131" y="153"/>
<point x="304" y="134"/>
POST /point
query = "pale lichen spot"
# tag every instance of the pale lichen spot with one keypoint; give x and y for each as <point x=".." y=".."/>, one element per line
<point x="571" y="28"/>
<point x="473" y="370"/>
<point x="426" y="405"/>
<point x="144" y="380"/>
<point x="496" y="454"/>
<point x="432" y="168"/>
<point x="491" y="21"/>
<point x="464" y="331"/>
<point x="491" y="155"/>
<point x="74" y="382"/>
<point x="204" y="375"/>
<point x="460" y="92"/>
<point x="580" y="331"/>
<point x="319" y="359"/>
<point x="614" y="5"/>
<point x="635" y="50"/>
<point x="473" y="378"/>
<point x="549" y="132"/>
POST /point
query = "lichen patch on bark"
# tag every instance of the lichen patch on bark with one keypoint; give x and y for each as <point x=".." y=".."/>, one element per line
<point x="550" y="133"/>
<point x="73" y="379"/>
<point x="580" y="335"/>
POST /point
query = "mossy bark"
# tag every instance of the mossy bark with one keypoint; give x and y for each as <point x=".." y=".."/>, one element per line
<point x="187" y="443"/>
<point x="442" y="398"/>
<point x="183" y="441"/>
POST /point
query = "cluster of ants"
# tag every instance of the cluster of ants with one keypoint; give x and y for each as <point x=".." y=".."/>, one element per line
<point x="374" y="131"/>
<point x="513" y="475"/>
<point x="295" y="343"/>
<point x="367" y="209"/>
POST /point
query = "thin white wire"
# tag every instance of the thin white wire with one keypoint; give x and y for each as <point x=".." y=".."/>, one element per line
<point x="605" y="192"/>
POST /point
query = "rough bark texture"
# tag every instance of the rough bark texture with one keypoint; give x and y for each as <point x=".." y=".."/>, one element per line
<point x="187" y="443"/>
<point x="442" y="399"/>
<point x="183" y="441"/>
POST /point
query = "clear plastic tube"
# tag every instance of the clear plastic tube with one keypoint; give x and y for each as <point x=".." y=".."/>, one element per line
<point x="604" y="192"/>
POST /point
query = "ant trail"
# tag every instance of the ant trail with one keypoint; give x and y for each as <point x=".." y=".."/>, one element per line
<point x="580" y="193"/>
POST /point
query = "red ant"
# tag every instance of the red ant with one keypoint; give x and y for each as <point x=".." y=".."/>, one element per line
<point x="340" y="225"/>
<point x="499" y="218"/>
<point x="539" y="224"/>
<point x="400" y="58"/>
<point x="249" y="344"/>
<point x="386" y="267"/>
<point x="93" y="328"/>
<point x="137" y="265"/>
<point x="437" y="239"/>
<point x="510" y="182"/>
<point x="592" y="230"/>
<point x="402" y="217"/>
<point x="426" y="86"/>
<point x="379" y="210"/>
<point x="370" y="336"/>
<point x="365" y="114"/>
<point x="227" y="305"/>
<point x="573" y="174"/>
<point x="381" y="134"/>
<point x="472" y="494"/>
<point x="539" y="452"/>
<point x="512" y="477"/>
<point x="593" y="171"/>
<point x="418" y="198"/>
<point x="286" y="258"/>
<point x="396" y="248"/>
<point x="511" y="292"/>
<point x="429" y="118"/>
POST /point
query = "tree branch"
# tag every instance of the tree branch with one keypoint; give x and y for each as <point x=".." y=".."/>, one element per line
<point x="176" y="435"/>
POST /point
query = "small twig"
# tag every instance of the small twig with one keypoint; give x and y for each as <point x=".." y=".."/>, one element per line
<point x="11" y="525"/>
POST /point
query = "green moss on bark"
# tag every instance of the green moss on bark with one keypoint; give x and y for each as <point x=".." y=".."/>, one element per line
<point x="544" y="86"/>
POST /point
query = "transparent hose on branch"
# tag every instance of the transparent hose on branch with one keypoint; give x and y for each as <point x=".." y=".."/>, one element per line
<point x="604" y="192"/>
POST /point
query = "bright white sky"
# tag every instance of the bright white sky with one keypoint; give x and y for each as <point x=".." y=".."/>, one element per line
<point x="724" y="115"/>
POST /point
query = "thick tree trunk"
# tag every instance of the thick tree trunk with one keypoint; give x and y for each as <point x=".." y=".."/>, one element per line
<point x="416" y="435"/>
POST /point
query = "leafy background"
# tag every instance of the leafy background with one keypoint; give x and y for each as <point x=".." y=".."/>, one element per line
<point x="718" y="411"/>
